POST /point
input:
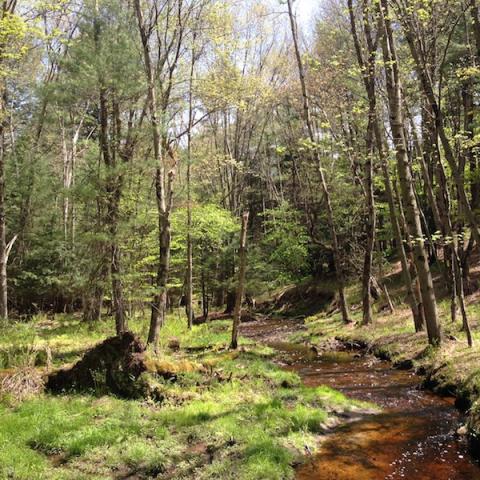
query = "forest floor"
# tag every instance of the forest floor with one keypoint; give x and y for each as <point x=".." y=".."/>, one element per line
<point x="225" y="415"/>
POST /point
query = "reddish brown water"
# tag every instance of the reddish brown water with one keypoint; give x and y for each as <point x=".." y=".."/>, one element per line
<point x="413" y="437"/>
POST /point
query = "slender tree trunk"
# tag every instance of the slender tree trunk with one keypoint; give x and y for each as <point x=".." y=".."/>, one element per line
<point x="323" y="182"/>
<point x="410" y="271"/>
<point x="119" y="309"/>
<point x="412" y="298"/>
<point x="369" y="245"/>
<point x="368" y="71"/>
<point x="205" y="303"/>
<point x="461" y="297"/>
<point x="394" y="93"/>
<point x="388" y="299"/>
<point x="114" y="193"/>
<point x="189" y="282"/>
<point x="457" y="287"/>
<point x="3" y="242"/>
<point x="242" y="260"/>
<point x="159" y="306"/>
<point x="109" y="139"/>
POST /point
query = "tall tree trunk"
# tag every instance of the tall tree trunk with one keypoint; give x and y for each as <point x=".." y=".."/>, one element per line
<point x="457" y="288"/>
<point x="109" y="139"/>
<point x="189" y="280"/>
<point x="114" y="193"/>
<point x="3" y="227"/>
<point x="368" y="71"/>
<point x="394" y="92"/>
<point x="159" y="306"/>
<point x="405" y="239"/>
<point x="205" y="303"/>
<point x="412" y="298"/>
<point x="323" y="182"/>
<point x="242" y="260"/>
<point x="441" y="214"/>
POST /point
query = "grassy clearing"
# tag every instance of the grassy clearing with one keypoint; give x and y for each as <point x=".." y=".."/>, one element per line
<point x="239" y="417"/>
<point x="68" y="338"/>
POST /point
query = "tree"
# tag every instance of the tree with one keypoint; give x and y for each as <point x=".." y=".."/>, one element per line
<point x="242" y="265"/>
<point x="374" y="135"/>
<point x="395" y="99"/>
<point x="12" y="37"/>
<point x="323" y="181"/>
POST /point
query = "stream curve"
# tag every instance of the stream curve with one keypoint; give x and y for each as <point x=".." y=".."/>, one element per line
<point x="412" y="437"/>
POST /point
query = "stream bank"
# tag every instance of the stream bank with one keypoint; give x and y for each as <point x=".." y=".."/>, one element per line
<point x="453" y="369"/>
<point x="415" y="434"/>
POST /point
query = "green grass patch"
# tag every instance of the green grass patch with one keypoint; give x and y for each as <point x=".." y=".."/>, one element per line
<point x="238" y="417"/>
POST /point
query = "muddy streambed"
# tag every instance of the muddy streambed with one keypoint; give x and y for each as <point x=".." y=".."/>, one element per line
<point x="413" y="437"/>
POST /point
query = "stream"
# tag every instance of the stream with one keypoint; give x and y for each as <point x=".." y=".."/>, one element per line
<point x="412" y="437"/>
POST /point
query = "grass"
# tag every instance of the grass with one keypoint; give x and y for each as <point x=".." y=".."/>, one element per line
<point x="68" y="337"/>
<point x="238" y="417"/>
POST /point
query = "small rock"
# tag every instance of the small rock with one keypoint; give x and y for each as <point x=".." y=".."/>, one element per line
<point x="462" y="431"/>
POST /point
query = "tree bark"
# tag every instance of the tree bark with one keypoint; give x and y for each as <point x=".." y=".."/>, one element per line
<point x="189" y="280"/>
<point x="205" y="302"/>
<point x="457" y="287"/>
<point x="109" y="139"/>
<point x="368" y="74"/>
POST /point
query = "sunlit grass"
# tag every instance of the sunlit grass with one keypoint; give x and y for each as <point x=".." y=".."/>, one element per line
<point x="239" y="416"/>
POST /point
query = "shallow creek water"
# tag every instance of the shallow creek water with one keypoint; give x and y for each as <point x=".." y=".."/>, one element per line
<point x="412" y="437"/>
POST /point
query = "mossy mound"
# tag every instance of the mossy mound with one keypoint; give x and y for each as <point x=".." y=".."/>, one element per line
<point x="112" y="366"/>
